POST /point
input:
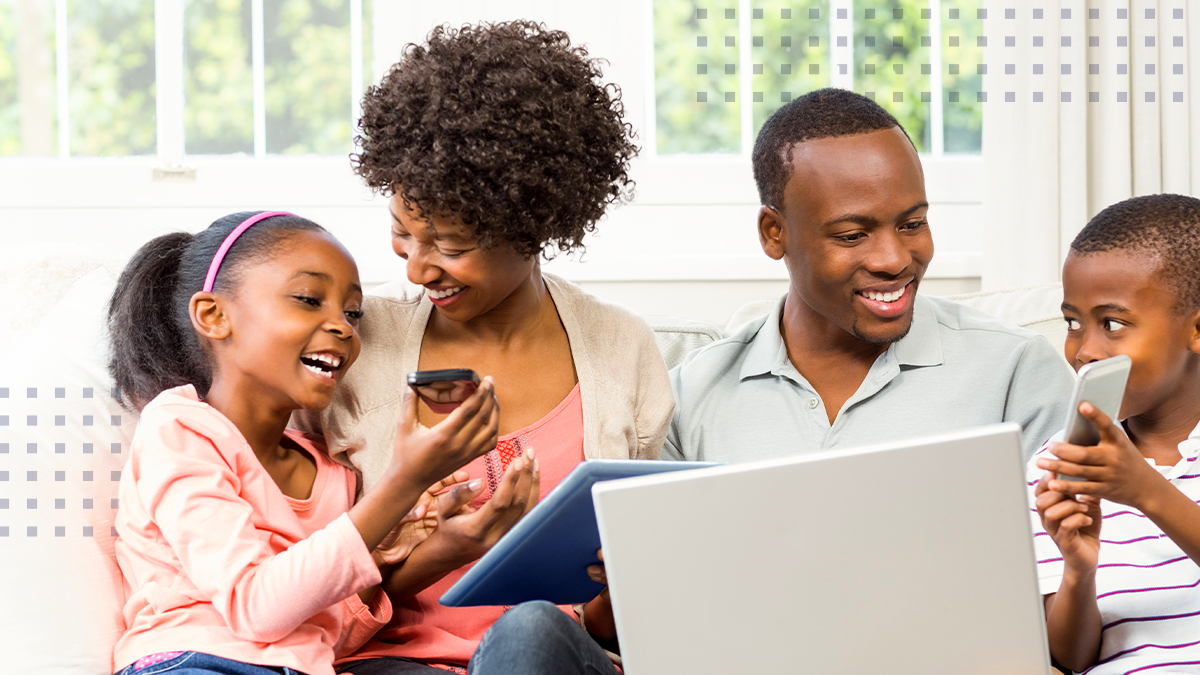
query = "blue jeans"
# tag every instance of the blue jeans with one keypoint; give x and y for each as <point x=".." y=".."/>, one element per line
<point x="197" y="663"/>
<point x="537" y="638"/>
<point x="534" y="638"/>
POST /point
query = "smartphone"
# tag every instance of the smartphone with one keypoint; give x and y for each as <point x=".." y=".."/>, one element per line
<point x="1101" y="383"/>
<point x="444" y="390"/>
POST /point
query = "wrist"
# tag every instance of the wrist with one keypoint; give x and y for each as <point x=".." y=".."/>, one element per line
<point x="1078" y="579"/>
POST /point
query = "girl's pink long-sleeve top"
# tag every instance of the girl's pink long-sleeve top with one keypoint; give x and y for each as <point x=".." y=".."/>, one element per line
<point x="217" y="559"/>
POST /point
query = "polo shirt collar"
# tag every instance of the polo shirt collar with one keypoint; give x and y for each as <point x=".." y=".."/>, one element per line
<point x="923" y="344"/>
<point x="921" y="347"/>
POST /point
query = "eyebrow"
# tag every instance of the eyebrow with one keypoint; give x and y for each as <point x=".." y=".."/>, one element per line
<point x="1106" y="307"/>
<point x="324" y="277"/>
<point x="438" y="236"/>
<point x="868" y="220"/>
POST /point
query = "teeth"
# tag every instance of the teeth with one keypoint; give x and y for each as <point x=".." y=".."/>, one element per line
<point x="318" y="371"/>
<point x="884" y="297"/>
<point x="328" y="359"/>
<point x="438" y="295"/>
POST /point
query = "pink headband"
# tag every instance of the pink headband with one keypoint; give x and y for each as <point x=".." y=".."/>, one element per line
<point x="228" y="243"/>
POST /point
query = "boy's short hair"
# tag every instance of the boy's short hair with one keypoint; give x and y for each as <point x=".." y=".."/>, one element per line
<point x="505" y="125"/>
<point x="824" y="113"/>
<point x="1165" y="226"/>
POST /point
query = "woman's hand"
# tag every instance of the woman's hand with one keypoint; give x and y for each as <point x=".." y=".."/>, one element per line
<point x="464" y="533"/>
<point x="426" y="454"/>
<point x="598" y="614"/>
<point x="416" y="526"/>
<point x="1113" y="469"/>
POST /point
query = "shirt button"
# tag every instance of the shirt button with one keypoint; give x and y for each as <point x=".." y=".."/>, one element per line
<point x="813" y="403"/>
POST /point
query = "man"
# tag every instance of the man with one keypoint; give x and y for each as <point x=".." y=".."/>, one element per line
<point x="853" y="355"/>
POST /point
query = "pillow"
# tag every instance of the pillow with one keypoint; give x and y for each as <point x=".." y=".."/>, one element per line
<point x="63" y="442"/>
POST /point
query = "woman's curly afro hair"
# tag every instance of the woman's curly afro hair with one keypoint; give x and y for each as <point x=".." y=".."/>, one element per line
<point x="505" y="125"/>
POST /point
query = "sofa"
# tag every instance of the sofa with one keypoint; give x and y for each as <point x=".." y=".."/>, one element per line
<point x="63" y="441"/>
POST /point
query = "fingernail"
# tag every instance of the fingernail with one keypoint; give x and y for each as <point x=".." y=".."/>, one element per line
<point x="529" y="452"/>
<point x="535" y="466"/>
<point x="475" y="484"/>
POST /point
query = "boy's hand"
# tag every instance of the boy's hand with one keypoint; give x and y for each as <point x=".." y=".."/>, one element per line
<point x="1112" y="470"/>
<point x="598" y="614"/>
<point x="425" y="454"/>
<point x="1073" y="525"/>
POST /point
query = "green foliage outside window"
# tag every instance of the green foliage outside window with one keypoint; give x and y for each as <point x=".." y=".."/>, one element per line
<point x="793" y="56"/>
<point x="962" y="111"/>
<point x="218" y="77"/>
<point x="891" y="61"/>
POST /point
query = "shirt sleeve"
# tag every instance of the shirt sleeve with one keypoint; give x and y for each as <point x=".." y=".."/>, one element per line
<point x="361" y="621"/>
<point x="191" y="490"/>
<point x="1039" y="393"/>
<point x="1049" y="559"/>
<point x="672" y="445"/>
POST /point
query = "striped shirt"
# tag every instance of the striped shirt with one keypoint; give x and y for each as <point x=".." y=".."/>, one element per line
<point x="1147" y="589"/>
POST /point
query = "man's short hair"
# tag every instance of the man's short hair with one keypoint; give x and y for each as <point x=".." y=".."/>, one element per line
<point x="824" y="113"/>
<point x="1165" y="227"/>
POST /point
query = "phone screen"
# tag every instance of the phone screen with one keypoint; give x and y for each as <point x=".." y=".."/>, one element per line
<point x="444" y="396"/>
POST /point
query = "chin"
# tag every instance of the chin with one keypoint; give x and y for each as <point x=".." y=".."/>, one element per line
<point x="882" y="335"/>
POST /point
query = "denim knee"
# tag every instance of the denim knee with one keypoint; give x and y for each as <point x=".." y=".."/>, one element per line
<point x="537" y="617"/>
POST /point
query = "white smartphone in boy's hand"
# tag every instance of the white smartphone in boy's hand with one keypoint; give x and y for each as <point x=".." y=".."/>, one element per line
<point x="1101" y="383"/>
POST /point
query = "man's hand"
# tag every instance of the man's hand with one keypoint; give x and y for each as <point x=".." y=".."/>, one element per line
<point x="1114" y="469"/>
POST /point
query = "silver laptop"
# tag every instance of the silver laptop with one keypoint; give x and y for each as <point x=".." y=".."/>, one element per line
<point x="906" y="558"/>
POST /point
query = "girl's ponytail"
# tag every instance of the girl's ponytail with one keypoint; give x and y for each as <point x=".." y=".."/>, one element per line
<point x="151" y="348"/>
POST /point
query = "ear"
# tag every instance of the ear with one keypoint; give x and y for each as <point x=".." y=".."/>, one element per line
<point x="770" y="232"/>
<point x="1194" y="328"/>
<point x="207" y="312"/>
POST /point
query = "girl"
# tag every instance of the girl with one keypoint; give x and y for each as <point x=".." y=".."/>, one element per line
<point x="497" y="144"/>
<point x="238" y="544"/>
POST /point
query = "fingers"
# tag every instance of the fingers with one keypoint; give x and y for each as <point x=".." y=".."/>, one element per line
<point x="408" y="412"/>
<point x="457" y="498"/>
<point x="417" y="513"/>
<point x="472" y="414"/>
<point x="597" y="574"/>
<point x="1063" y="468"/>
<point x="459" y="476"/>
<point x="1109" y="433"/>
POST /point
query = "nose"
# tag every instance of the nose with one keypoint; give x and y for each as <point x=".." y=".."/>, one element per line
<point x="888" y="254"/>
<point x="419" y="269"/>
<point x="1090" y="349"/>
<point x="339" y="326"/>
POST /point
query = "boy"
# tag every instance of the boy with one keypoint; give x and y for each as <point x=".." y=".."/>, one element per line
<point x="1131" y="600"/>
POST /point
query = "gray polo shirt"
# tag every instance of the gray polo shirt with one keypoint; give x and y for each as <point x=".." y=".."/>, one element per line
<point x="741" y="399"/>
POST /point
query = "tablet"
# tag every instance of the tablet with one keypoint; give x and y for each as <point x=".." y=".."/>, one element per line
<point x="545" y="556"/>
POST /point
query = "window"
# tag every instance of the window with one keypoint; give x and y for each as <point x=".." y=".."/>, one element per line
<point x="722" y="69"/>
<point x="202" y="77"/>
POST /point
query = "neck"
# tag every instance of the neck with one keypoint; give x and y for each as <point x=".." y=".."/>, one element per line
<point x="521" y="313"/>
<point x="1172" y="421"/>
<point x="810" y="335"/>
<point x="261" y="425"/>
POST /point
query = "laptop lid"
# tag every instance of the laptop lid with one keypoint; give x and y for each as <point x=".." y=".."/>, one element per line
<point x="912" y="557"/>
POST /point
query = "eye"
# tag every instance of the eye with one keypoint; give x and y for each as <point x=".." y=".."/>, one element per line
<point x="1112" y="325"/>
<point x="915" y="225"/>
<point x="308" y="300"/>
<point x="1072" y="324"/>
<point x="354" y="314"/>
<point x="850" y="238"/>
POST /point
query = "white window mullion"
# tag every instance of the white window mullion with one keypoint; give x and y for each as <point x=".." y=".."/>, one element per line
<point x="650" y="98"/>
<point x="745" y="81"/>
<point x="62" y="74"/>
<point x="937" y="127"/>
<point x="841" y="57"/>
<point x="168" y="78"/>
<point x="260" y="87"/>
<point x="356" y="63"/>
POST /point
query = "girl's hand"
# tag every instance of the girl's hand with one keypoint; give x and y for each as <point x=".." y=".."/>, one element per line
<point x="425" y="454"/>
<point x="416" y="526"/>
<point x="1114" y="469"/>
<point x="1073" y="525"/>
<point x="464" y="533"/>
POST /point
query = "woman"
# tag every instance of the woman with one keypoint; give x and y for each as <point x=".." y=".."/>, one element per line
<point x="498" y="145"/>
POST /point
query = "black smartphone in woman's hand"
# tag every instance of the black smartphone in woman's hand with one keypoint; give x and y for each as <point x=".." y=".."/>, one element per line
<point x="444" y="390"/>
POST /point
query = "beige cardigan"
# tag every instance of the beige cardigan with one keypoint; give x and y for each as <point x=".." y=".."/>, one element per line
<point x="626" y="396"/>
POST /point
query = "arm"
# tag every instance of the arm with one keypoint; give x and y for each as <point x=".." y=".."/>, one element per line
<point x="1115" y="470"/>
<point x="1038" y="393"/>
<point x="1073" y="624"/>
